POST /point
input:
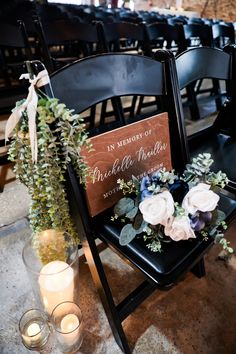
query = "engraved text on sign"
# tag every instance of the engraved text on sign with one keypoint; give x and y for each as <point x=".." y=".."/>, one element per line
<point x="136" y="149"/>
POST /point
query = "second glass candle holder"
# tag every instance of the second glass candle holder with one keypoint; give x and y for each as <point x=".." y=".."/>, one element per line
<point x="67" y="322"/>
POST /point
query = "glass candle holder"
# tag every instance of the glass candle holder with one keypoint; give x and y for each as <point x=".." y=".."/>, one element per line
<point x="34" y="329"/>
<point x="51" y="261"/>
<point x="67" y="322"/>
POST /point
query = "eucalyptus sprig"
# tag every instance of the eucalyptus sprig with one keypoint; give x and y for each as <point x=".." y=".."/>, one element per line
<point x="60" y="134"/>
<point x="199" y="169"/>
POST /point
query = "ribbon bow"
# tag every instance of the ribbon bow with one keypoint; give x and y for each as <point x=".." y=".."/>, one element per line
<point x="30" y="105"/>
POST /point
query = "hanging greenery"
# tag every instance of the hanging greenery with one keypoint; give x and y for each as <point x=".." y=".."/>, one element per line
<point x="60" y="136"/>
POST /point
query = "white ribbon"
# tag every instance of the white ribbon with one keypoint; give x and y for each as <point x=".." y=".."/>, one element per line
<point x="30" y="105"/>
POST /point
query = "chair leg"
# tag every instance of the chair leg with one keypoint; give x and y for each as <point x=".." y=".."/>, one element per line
<point x="142" y="104"/>
<point x="195" y="115"/>
<point x="199" y="269"/>
<point x="141" y="99"/>
<point x="132" y="108"/>
<point x="199" y="84"/>
<point x="103" y="112"/>
<point x="217" y="94"/>
<point x="4" y="166"/>
<point x="118" y="109"/>
<point x="100" y="280"/>
<point x="92" y="116"/>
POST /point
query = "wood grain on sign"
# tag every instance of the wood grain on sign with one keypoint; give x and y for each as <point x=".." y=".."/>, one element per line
<point x="135" y="149"/>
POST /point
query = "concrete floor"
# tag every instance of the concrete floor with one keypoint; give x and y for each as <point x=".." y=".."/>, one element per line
<point x="16" y="295"/>
<point x="196" y="317"/>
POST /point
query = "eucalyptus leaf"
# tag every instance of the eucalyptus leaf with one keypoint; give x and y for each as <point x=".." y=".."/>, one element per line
<point x="127" y="234"/>
<point x="142" y="226"/>
<point x="131" y="214"/>
<point x="123" y="206"/>
<point x="215" y="217"/>
<point x="218" y="217"/>
<point x="212" y="230"/>
<point x="135" y="181"/>
<point x="138" y="221"/>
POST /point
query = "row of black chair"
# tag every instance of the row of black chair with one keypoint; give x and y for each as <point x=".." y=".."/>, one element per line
<point x="89" y="13"/>
<point x="61" y="42"/>
<point x="57" y="44"/>
<point x="64" y="41"/>
<point x="117" y="75"/>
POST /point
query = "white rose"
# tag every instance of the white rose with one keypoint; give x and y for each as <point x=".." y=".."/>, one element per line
<point x="179" y="228"/>
<point x="157" y="208"/>
<point x="200" y="198"/>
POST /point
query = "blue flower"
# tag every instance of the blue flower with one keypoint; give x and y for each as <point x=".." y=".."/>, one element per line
<point x="178" y="190"/>
<point x="155" y="178"/>
<point x="146" y="194"/>
<point x="206" y="216"/>
<point x="199" y="221"/>
<point x="197" y="224"/>
<point x="145" y="183"/>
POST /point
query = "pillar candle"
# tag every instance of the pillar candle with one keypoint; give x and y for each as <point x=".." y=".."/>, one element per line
<point x="70" y="329"/>
<point x="32" y="336"/>
<point x="56" y="282"/>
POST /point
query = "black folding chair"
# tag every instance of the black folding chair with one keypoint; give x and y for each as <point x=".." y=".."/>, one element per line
<point x="172" y="36"/>
<point x="122" y="37"/>
<point x="160" y="36"/>
<point x="223" y="35"/>
<point x="199" y="63"/>
<point x="198" y="34"/>
<point x="14" y="50"/>
<point x="81" y="85"/>
<point x="64" y="41"/>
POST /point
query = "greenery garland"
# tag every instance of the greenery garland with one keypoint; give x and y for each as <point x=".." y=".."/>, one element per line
<point x="61" y="134"/>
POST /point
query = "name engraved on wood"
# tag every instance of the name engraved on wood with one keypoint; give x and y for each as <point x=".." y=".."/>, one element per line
<point x="136" y="149"/>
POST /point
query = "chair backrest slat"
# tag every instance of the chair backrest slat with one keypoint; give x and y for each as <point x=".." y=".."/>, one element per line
<point x="106" y="72"/>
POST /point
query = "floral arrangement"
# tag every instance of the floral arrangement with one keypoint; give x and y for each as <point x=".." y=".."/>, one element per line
<point x="166" y="205"/>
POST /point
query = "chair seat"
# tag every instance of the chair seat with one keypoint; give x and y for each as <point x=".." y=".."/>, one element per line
<point x="221" y="147"/>
<point x="167" y="266"/>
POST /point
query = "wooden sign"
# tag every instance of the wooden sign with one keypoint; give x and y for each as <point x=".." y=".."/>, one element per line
<point x="135" y="149"/>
